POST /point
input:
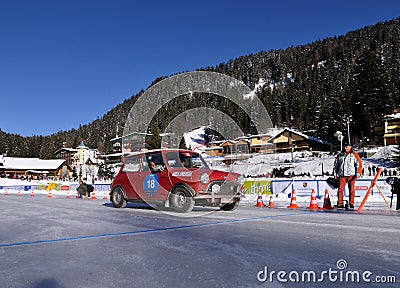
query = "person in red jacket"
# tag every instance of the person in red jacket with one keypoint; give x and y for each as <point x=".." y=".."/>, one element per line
<point x="347" y="167"/>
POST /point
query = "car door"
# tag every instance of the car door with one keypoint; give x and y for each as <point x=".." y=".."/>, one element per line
<point x="152" y="178"/>
<point x="131" y="169"/>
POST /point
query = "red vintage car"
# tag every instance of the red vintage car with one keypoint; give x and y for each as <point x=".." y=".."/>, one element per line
<point x="179" y="179"/>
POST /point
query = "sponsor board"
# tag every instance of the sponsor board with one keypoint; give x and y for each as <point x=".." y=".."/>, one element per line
<point x="257" y="186"/>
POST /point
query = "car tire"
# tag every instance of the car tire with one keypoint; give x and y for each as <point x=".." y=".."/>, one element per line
<point x="117" y="198"/>
<point x="181" y="201"/>
<point x="230" y="206"/>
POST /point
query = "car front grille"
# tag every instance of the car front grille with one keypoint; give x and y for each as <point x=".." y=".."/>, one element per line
<point x="226" y="188"/>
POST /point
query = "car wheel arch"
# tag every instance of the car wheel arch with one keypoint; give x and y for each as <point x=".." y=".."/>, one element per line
<point x="184" y="186"/>
<point x="121" y="188"/>
<point x="181" y="199"/>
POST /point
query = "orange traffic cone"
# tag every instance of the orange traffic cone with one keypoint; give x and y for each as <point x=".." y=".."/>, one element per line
<point x="6" y="193"/>
<point x="49" y="194"/>
<point x="327" y="202"/>
<point x="271" y="203"/>
<point x="77" y="195"/>
<point x="19" y="193"/>
<point x="93" y="196"/>
<point x="293" y="204"/>
<point x="68" y="197"/>
<point x="260" y="202"/>
<point x="32" y="194"/>
<point x="313" y="202"/>
<point x="105" y="196"/>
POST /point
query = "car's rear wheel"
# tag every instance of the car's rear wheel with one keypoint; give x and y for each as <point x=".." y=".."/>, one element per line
<point x="181" y="201"/>
<point x="230" y="206"/>
<point x="117" y="198"/>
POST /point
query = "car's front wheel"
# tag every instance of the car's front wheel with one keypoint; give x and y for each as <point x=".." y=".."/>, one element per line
<point x="117" y="198"/>
<point x="181" y="201"/>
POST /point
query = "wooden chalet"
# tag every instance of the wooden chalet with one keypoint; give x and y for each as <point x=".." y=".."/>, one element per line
<point x="260" y="143"/>
<point x="392" y="130"/>
<point x="57" y="168"/>
<point x="239" y="146"/>
<point x="215" y="149"/>
<point x="290" y="140"/>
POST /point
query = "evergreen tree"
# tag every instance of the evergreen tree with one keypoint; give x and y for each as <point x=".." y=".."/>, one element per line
<point x="155" y="141"/>
<point x="74" y="174"/>
<point x="105" y="171"/>
<point x="371" y="96"/>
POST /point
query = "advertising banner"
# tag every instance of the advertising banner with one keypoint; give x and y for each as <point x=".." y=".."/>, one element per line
<point x="251" y="186"/>
<point x="304" y="187"/>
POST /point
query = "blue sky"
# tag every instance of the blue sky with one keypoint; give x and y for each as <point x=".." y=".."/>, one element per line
<point x="67" y="62"/>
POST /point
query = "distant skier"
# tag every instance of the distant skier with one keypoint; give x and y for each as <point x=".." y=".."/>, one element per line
<point x="347" y="168"/>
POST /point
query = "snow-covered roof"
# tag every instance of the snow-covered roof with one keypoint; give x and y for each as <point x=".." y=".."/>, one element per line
<point x="393" y="116"/>
<point x="82" y="146"/>
<point x="242" y="138"/>
<point x="94" y="160"/>
<point x="234" y="142"/>
<point x="113" y="155"/>
<point x="311" y="138"/>
<point x="261" y="135"/>
<point x="217" y="142"/>
<point x="14" y="163"/>
<point x="72" y="150"/>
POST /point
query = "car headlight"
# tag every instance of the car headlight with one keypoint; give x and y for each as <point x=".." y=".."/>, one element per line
<point x="204" y="178"/>
<point x="240" y="179"/>
<point x="215" y="188"/>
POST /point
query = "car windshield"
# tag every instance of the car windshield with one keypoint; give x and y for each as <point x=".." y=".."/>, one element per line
<point x="178" y="159"/>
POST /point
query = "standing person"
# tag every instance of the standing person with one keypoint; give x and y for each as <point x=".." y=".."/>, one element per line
<point x="347" y="168"/>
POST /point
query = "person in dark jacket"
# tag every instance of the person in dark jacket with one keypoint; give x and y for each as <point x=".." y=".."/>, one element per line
<point x="347" y="167"/>
<point x="82" y="189"/>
